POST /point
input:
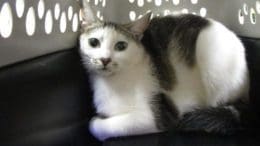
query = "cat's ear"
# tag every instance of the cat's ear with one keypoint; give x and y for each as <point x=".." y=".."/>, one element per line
<point x="140" y="25"/>
<point x="87" y="14"/>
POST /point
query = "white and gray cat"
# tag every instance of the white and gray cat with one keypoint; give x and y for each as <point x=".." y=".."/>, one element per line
<point x="176" y="72"/>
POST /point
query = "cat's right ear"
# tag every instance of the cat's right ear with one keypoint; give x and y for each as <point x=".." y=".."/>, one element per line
<point x="140" y="25"/>
<point x="87" y="14"/>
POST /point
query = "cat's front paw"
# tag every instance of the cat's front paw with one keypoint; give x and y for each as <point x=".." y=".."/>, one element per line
<point x="98" y="129"/>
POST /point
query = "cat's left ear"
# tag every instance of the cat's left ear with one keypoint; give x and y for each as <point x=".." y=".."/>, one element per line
<point x="140" y="25"/>
<point x="87" y="14"/>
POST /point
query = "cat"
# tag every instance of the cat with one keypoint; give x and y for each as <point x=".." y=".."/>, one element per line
<point x="153" y="75"/>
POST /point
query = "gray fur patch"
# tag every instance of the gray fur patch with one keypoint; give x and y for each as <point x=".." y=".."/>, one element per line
<point x="184" y="37"/>
<point x="172" y="34"/>
<point x="165" y="113"/>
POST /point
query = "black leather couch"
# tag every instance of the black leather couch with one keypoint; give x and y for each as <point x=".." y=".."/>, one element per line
<point x="47" y="101"/>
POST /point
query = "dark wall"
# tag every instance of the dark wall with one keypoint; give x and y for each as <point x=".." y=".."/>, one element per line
<point x="253" y="60"/>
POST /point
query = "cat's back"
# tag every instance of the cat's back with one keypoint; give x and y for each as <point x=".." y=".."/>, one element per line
<point x="174" y="32"/>
<point x="199" y="61"/>
<point x="169" y="34"/>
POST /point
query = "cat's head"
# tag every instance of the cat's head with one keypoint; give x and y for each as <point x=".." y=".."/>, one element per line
<point x="108" y="48"/>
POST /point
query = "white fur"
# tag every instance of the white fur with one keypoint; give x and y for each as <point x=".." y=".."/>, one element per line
<point x="124" y="94"/>
<point x="124" y="99"/>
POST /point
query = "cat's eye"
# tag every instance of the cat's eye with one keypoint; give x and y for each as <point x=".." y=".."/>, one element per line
<point x="121" y="46"/>
<point x="94" y="42"/>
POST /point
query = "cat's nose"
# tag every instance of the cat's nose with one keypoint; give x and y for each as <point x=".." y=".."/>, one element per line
<point x="105" y="61"/>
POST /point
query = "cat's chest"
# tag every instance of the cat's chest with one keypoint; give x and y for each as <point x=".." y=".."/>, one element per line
<point x="111" y="102"/>
<point x="121" y="96"/>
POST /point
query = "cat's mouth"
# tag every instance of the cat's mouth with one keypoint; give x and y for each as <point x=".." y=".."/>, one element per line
<point x="104" y="68"/>
<point x="105" y="71"/>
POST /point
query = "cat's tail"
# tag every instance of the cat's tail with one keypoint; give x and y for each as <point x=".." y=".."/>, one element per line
<point x="227" y="119"/>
